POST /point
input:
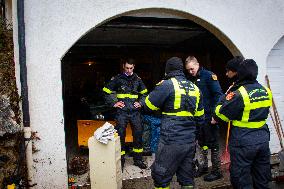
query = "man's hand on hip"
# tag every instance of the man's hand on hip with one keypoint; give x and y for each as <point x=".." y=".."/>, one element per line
<point x="137" y="105"/>
<point x="119" y="104"/>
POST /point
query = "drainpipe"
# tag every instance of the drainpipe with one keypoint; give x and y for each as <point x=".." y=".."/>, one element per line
<point x="24" y="88"/>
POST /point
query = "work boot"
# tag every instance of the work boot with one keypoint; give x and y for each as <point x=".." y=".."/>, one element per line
<point x="203" y="166"/>
<point x="201" y="171"/>
<point x="204" y="156"/>
<point x="213" y="176"/>
<point x="215" y="158"/>
<point x="139" y="163"/>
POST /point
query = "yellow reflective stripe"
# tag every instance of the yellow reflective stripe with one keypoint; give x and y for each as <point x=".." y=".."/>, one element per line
<point x="251" y="106"/>
<point x="221" y="116"/>
<point x="107" y="90"/>
<point x="199" y="113"/>
<point x="248" y="106"/>
<point x="168" y="187"/>
<point x="178" y="93"/>
<point x="143" y="91"/>
<point x="126" y="96"/>
<point x="181" y="113"/>
<point x="196" y="93"/>
<point x="252" y="125"/>
<point x="122" y="152"/>
<point x="150" y="105"/>
<point x="205" y="148"/>
<point x="262" y="104"/>
<point x="137" y="150"/>
<point x="246" y="103"/>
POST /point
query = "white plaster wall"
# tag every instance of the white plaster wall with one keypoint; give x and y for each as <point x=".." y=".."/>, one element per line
<point x="53" y="26"/>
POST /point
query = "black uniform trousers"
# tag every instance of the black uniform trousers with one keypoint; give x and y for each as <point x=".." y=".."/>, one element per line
<point x="171" y="159"/>
<point x="208" y="135"/>
<point x="122" y="119"/>
<point x="250" y="166"/>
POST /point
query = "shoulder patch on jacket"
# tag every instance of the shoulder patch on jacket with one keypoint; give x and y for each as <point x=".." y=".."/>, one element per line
<point x="160" y="82"/>
<point x="230" y="96"/>
<point x="214" y="77"/>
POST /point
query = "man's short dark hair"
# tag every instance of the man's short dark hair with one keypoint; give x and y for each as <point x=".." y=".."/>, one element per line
<point x="129" y="61"/>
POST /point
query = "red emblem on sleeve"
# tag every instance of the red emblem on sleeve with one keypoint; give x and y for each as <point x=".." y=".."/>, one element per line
<point x="230" y="96"/>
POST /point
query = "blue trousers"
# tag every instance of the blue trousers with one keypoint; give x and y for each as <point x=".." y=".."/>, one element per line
<point x="173" y="159"/>
<point x="250" y="166"/>
<point x="134" y="118"/>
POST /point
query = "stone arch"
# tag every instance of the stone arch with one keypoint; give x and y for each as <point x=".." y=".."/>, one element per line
<point x="179" y="13"/>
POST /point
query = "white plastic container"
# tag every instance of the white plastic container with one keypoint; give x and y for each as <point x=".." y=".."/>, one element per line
<point x="105" y="164"/>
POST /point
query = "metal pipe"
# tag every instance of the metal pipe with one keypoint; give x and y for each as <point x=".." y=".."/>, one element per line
<point x="24" y="88"/>
<point x="29" y="158"/>
<point x="22" y="62"/>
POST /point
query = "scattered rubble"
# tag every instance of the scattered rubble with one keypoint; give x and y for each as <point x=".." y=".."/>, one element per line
<point x="78" y="165"/>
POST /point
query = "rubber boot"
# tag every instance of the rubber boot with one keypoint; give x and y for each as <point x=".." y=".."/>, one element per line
<point x="138" y="161"/>
<point x="203" y="167"/>
<point x="216" y="166"/>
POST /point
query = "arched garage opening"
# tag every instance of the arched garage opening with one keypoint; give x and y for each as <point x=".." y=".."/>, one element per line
<point x="275" y="73"/>
<point x="150" y="40"/>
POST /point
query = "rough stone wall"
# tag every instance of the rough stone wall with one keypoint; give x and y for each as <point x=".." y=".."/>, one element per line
<point x="11" y="137"/>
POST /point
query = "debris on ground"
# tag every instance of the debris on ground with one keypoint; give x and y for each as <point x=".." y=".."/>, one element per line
<point x="78" y="165"/>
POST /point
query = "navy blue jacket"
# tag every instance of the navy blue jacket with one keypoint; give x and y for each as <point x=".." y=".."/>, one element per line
<point x="232" y="108"/>
<point x="176" y="129"/>
<point x="128" y="89"/>
<point x="211" y="90"/>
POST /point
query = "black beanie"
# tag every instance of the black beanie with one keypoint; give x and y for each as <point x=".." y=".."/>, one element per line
<point x="174" y="64"/>
<point x="248" y="70"/>
<point x="234" y="63"/>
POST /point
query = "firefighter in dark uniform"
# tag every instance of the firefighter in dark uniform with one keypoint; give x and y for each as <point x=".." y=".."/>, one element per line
<point x="208" y="134"/>
<point x="247" y="106"/>
<point x="130" y="91"/>
<point x="182" y="111"/>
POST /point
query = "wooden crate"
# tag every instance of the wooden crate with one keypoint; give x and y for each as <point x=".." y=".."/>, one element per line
<point x="86" y="129"/>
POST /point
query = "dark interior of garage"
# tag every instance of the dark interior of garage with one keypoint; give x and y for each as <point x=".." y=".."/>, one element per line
<point x="96" y="58"/>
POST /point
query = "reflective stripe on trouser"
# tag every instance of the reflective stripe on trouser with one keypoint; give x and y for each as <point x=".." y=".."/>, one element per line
<point x="173" y="159"/>
<point x="122" y="118"/>
<point x="162" y="187"/>
<point x="250" y="166"/>
<point x="187" y="187"/>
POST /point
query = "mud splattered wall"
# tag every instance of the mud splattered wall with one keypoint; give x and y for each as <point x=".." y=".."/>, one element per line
<point x="10" y="130"/>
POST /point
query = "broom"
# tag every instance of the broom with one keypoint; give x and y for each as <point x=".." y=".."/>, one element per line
<point x="225" y="158"/>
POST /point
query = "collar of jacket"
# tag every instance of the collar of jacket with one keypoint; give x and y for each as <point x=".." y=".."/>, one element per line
<point x="128" y="76"/>
<point x="199" y="71"/>
<point x="238" y="84"/>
